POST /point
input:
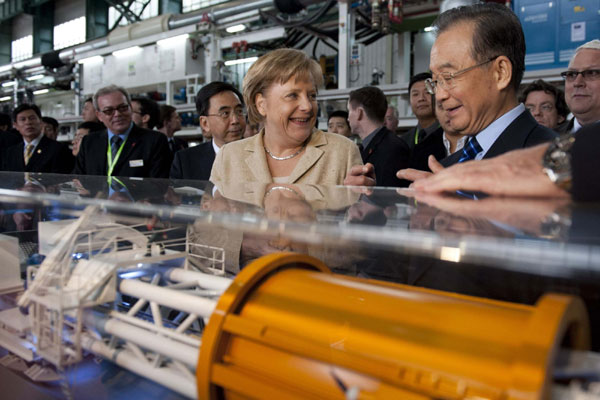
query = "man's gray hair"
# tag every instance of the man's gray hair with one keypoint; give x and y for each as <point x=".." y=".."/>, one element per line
<point x="394" y="111"/>
<point x="110" y="89"/>
<point x="592" y="44"/>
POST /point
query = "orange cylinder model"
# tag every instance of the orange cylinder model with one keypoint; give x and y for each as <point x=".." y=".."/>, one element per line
<point x="287" y="328"/>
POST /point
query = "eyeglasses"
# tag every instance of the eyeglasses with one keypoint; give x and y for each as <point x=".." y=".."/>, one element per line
<point x="122" y="108"/>
<point x="226" y="114"/>
<point x="446" y="80"/>
<point x="546" y="108"/>
<point x="587" y="75"/>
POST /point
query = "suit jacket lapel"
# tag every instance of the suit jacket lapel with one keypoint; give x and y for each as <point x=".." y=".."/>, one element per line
<point x="370" y="149"/>
<point x="102" y="144"/>
<point x="208" y="158"/>
<point x="39" y="154"/>
<point x="310" y="157"/>
<point x="513" y="137"/>
<point x="17" y="159"/>
<point x="256" y="159"/>
<point x="451" y="159"/>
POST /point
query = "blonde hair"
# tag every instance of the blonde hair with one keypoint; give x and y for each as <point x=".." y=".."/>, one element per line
<point x="277" y="66"/>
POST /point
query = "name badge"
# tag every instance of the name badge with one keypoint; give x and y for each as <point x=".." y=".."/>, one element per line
<point x="136" y="163"/>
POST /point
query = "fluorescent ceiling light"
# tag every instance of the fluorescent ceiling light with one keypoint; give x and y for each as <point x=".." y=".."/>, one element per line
<point x="127" y="52"/>
<point x="91" y="60"/>
<point x="41" y="91"/>
<point x="173" y="40"/>
<point x="429" y="29"/>
<point x="9" y="84"/>
<point x="241" y="61"/>
<point x="6" y="98"/>
<point x="36" y="77"/>
<point x="6" y="67"/>
<point x="236" y="28"/>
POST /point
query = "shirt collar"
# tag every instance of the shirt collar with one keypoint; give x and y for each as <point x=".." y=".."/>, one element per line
<point x="215" y="147"/>
<point x="35" y="141"/>
<point x="576" y="125"/>
<point x="490" y="134"/>
<point x="367" y="140"/>
<point x="123" y="135"/>
<point x="460" y="143"/>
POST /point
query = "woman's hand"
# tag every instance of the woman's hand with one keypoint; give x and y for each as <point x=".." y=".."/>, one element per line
<point x="361" y="175"/>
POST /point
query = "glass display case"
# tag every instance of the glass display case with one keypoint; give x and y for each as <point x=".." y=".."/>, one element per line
<point x="136" y="236"/>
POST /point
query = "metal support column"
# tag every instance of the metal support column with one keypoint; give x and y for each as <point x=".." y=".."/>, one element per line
<point x="96" y="19"/>
<point x="43" y="28"/>
<point x="212" y="56"/>
<point x="346" y="36"/>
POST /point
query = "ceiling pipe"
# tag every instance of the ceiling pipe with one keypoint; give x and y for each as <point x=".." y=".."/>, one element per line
<point x="215" y="13"/>
<point x="209" y="14"/>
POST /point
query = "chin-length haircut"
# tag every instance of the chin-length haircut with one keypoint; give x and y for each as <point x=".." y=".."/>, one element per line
<point x="277" y="66"/>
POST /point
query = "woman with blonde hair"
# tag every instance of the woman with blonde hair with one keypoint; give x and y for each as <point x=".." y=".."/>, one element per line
<point x="280" y="91"/>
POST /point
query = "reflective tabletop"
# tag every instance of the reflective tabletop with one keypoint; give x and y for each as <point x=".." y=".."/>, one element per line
<point x="513" y="249"/>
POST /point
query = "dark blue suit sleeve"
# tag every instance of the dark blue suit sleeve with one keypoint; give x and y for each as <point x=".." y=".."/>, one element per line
<point x="585" y="164"/>
<point x="161" y="158"/>
<point x="79" y="168"/>
<point x="176" y="169"/>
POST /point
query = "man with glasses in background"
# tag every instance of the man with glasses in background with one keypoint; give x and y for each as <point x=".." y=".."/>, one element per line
<point x="582" y="86"/>
<point x="123" y="149"/>
<point x="145" y="113"/>
<point x="546" y="103"/>
<point x="223" y="116"/>
<point x="477" y="63"/>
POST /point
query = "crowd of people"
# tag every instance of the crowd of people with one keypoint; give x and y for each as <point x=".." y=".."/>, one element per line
<point x="471" y="110"/>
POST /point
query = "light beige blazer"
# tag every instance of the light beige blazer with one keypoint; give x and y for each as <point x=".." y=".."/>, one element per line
<point x="326" y="161"/>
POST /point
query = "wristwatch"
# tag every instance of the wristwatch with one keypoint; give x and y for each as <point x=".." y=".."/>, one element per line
<point x="556" y="162"/>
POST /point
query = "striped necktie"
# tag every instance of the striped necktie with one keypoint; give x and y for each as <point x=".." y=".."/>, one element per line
<point x="116" y="143"/>
<point x="28" y="153"/>
<point x="470" y="151"/>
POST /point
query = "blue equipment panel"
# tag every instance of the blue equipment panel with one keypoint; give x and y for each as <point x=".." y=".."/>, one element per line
<point x="553" y="30"/>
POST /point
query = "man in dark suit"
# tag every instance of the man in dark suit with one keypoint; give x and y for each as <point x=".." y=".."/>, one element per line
<point x="169" y="122"/>
<point x="380" y="146"/>
<point x="35" y="152"/>
<point x="123" y="149"/>
<point x="478" y="60"/>
<point x="570" y="165"/>
<point x="222" y="115"/>
<point x="421" y="103"/>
